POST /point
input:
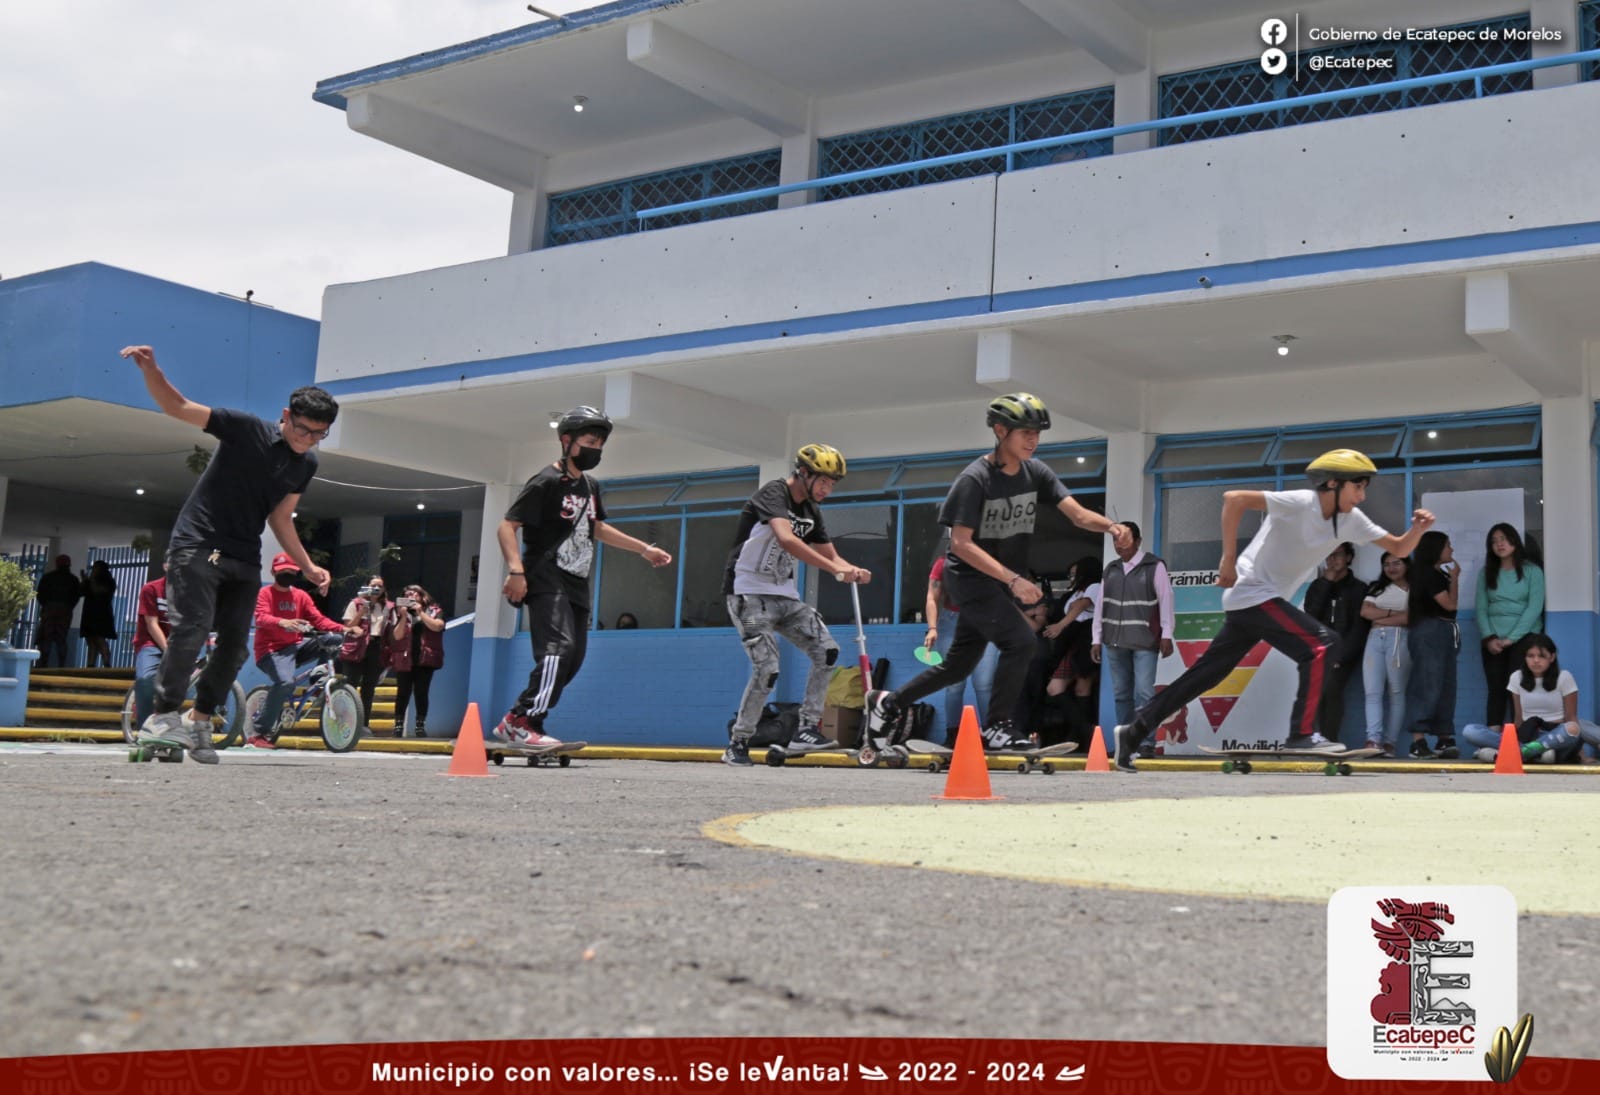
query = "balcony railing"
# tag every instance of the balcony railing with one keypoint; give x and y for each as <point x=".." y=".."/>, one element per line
<point x="1586" y="59"/>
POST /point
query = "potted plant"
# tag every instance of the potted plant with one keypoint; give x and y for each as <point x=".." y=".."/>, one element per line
<point x="15" y="593"/>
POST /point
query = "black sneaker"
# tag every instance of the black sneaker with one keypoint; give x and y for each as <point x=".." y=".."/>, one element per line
<point x="882" y="710"/>
<point x="1448" y="750"/>
<point x="1420" y="750"/>
<point x="1311" y="743"/>
<point x="1003" y="737"/>
<point x="1128" y="738"/>
<point x="808" y="739"/>
<point x="1146" y="750"/>
<point x="737" y="754"/>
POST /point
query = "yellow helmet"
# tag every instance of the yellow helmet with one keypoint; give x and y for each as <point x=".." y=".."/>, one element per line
<point x="1341" y="465"/>
<point x="1020" y="411"/>
<point x="822" y="460"/>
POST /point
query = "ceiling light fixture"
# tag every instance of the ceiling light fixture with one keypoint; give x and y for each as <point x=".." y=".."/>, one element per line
<point x="555" y="419"/>
<point x="1283" y="343"/>
<point x="577" y="103"/>
<point x="138" y="490"/>
<point x="1433" y="435"/>
<point x="421" y="505"/>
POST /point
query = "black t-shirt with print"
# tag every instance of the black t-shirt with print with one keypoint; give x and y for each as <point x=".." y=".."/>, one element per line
<point x="252" y="471"/>
<point x="1000" y="510"/>
<point x="758" y="563"/>
<point x="557" y="515"/>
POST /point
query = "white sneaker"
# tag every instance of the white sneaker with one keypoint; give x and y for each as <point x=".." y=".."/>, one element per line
<point x="1487" y="755"/>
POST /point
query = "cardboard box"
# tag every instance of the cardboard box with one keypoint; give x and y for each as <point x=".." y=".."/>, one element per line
<point x="842" y="724"/>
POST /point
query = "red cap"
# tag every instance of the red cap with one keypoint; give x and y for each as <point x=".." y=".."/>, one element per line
<point x="281" y="562"/>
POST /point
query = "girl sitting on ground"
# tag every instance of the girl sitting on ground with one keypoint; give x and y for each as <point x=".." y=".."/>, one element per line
<point x="1544" y="709"/>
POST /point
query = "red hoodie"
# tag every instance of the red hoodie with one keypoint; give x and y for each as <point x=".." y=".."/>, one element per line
<point x="273" y="604"/>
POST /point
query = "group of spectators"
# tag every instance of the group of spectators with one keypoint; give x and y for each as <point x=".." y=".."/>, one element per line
<point x="58" y="594"/>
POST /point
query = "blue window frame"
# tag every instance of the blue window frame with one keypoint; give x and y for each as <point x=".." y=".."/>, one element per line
<point x="1243" y="83"/>
<point x="1413" y="457"/>
<point x="971" y="131"/>
<point x="606" y="210"/>
<point x="1589" y="34"/>
<point x="884" y="516"/>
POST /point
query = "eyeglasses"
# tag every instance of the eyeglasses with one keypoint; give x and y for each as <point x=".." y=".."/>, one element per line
<point x="306" y="431"/>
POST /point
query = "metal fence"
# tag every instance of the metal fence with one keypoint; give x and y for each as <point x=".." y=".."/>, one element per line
<point x="611" y="209"/>
<point x="1589" y="35"/>
<point x="131" y="569"/>
<point x="32" y="560"/>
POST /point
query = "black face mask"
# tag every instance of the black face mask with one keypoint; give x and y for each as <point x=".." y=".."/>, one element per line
<point x="284" y="579"/>
<point x="586" y="459"/>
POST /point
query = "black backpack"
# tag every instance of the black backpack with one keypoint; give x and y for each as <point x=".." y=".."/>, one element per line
<point x="777" y="725"/>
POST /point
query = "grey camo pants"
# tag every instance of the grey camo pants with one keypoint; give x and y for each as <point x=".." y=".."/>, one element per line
<point x="760" y="618"/>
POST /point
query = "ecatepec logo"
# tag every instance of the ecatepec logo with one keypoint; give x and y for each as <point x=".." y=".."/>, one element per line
<point x="1419" y="980"/>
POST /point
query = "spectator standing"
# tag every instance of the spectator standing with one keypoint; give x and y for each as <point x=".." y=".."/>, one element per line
<point x="361" y="658"/>
<point x="98" y="624"/>
<point x="1133" y="626"/>
<point x="1433" y="640"/>
<point x="1510" y="606"/>
<point x="1386" y="661"/>
<point x="1335" y="599"/>
<point x="416" y="649"/>
<point x="58" y="595"/>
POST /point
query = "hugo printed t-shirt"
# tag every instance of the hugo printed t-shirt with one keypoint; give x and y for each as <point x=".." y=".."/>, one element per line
<point x="1000" y="510"/>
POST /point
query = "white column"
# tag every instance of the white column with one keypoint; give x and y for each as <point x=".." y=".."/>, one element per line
<point x="494" y="620"/>
<point x="529" y="211"/>
<point x="1559" y="15"/>
<point x="1135" y="102"/>
<point x="799" y="165"/>
<point x="1128" y="493"/>
<point x="1569" y="539"/>
<point x="5" y="488"/>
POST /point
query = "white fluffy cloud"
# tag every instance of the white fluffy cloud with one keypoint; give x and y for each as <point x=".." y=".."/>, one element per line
<point x="178" y="138"/>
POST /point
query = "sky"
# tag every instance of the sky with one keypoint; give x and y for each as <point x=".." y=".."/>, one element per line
<point x="178" y="138"/>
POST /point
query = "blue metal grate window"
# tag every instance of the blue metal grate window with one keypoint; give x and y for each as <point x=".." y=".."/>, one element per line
<point x="1079" y="112"/>
<point x="1589" y="35"/>
<point x="606" y="210"/>
<point x="1244" y="83"/>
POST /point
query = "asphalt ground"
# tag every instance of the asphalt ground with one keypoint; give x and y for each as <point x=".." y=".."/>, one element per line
<point x="301" y="897"/>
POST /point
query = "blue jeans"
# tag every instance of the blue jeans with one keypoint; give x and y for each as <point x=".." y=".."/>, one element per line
<point x="1133" y="678"/>
<point x="1431" y="690"/>
<point x="982" y="677"/>
<point x="1385" y="669"/>
<point x="1479" y="736"/>
<point x="145" y="664"/>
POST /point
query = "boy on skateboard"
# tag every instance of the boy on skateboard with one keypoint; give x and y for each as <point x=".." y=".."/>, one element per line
<point x="990" y="512"/>
<point x="1301" y="528"/>
<point x="779" y="524"/>
<point x="560" y="516"/>
<point x="255" y="479"/>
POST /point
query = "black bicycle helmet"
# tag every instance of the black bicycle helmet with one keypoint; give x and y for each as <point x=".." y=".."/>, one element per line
<point x="1020" y="411"/>
<point x="584" y="420"/>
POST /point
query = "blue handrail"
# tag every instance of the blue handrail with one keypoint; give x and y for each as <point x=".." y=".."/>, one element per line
<point x="1476" y="75"/>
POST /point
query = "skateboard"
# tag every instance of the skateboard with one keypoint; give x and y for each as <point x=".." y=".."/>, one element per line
<point x="1025" y="759"/>
<point x="164" y="750"/>
<point x="1333" y="764"/>
<point x="777" y="755"/>
<point x="539" y="756"/>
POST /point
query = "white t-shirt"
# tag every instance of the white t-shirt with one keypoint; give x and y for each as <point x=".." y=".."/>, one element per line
<point x="1093" y="593"/>
<point x="1286" y="549"/>
<point x="1392" y="599"/>
<point x="1540" y="704"/>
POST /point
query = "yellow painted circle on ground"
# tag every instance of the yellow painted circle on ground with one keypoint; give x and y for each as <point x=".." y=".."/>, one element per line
<point x="1543" y="847"/>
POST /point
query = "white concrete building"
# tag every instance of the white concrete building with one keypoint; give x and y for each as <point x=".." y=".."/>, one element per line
<point x="1431" y="272"/>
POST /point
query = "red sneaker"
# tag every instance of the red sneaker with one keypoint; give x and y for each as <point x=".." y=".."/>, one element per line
<point x="256" y="741"/>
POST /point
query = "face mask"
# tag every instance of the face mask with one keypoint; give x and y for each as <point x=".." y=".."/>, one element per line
<point x="586" y="459"/>
<point x="284" y="580"/>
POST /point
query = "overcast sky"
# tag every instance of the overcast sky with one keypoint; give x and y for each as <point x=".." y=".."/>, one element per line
<point x="178" y="138"/>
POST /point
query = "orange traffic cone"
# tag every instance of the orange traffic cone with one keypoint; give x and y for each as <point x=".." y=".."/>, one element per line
<point x="1508" y="761"/>
<point x="969" y="771"/>
<point x="467" y="758"/>
<point x="1097" y="761"/>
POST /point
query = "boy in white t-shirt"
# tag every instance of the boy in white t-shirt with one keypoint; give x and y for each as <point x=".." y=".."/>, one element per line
<point x="1301" y="528"/>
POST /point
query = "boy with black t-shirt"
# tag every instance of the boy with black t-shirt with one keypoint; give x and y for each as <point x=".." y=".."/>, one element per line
<point x="560" y="515"/>
<point x="778" y="525"/>
<point x="255" y="479"/>
<point x="990" y="511"/>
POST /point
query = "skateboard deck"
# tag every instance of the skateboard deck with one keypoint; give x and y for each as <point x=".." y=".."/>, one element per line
<point x="1026" y="759"/>
<point x="778" y="755"/>
<point x="537" y="755"/>
<point x="164" y="750"/>
<point x="1333" y="764"/>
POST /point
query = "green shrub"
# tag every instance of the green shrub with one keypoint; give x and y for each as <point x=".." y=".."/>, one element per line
<point x="15" y="593"/>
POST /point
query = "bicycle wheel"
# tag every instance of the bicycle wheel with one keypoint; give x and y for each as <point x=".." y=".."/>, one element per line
<point x="341" y="718"/>
<point x="130" y="730"/>
<point x="252" y="707"/>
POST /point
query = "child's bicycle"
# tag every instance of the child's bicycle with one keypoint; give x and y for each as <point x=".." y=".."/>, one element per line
<point x="319" y="683"/>
<point x="227" y="724"/>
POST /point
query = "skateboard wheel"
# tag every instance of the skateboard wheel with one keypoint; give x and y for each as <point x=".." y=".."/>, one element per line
<point x="895" y="760"/>
<point x="775" y="758"/>
<point x="533" y="762"/>
<point x="1047" y="768"/>
<point x="1344" y="769"/>
<point x="1243" y="767"/>
<point x="498" y="758"/>
<point x="563" y="761"/>
<point x="1023" y="768"/>
<point x="1330" y="769"/>
<point x="1228" y="766"/>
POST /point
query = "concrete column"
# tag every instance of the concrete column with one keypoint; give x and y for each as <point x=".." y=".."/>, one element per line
<point x="5" y="487"/>
<point x="530" y="209"/>
<point x="495" y="622"/>
<point x="1135" y="102"/>
<point x="1129" y="496"/>
<point x="1559" y="15"/>
<point x="1570" y="539"/>
<point x="799" y="165"/>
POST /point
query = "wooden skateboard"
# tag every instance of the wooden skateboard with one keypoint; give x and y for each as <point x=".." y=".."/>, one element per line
<point x="778" y="755"/>
<point x="1025" y="759"/>
<point x="538" y="755"/>
<point x="1333" y="764"/>
<point x="164" y="750"/>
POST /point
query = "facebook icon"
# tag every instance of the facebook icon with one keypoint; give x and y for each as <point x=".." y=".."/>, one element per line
<point x="1274" y="32"/>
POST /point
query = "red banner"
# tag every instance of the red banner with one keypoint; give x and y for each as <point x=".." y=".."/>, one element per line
<point x="711" y="1066"/>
